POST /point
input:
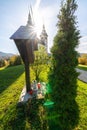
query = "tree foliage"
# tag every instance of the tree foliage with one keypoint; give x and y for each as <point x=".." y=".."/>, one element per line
<point x="40" y="64"/>
<point x="15" y="60"/>
<point x="2" y="62"/>
<point x="83" y="59"/>
<point x="63" y="75"/>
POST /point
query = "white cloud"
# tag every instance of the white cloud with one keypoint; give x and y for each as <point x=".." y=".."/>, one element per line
<point x="83" y="39"/>
<point x="82" y="48"/>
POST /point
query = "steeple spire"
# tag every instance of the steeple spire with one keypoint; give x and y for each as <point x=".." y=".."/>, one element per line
<point x="43" y="27"/>
<point x="44" y="31"/>
<point x="30" y="21"/>
<point x="44" y="38"/>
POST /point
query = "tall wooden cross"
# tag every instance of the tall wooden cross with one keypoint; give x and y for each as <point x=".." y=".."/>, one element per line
<point x="26" y="41"/>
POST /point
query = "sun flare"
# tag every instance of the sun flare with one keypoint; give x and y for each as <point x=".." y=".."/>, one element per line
<point x="38" y="17"/>
<point x="38" y="22"/>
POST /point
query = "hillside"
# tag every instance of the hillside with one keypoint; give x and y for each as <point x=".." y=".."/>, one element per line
<point x="4" y="55"/>
<point x="80" y="54"/>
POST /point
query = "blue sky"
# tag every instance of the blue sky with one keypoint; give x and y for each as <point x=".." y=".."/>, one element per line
<point x="14" y="13"/>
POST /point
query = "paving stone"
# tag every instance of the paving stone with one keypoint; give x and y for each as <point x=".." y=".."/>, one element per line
<point x="83" y="75"/>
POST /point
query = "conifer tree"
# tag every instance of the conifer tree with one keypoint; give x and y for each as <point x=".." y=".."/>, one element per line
<point x="63" y="75"/>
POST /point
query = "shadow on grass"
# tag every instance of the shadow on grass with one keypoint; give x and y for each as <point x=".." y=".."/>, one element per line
<point x="36" y="115"/>
<point x="28" y="116"/>
<point x="15" y="118"/>
<point x="9" y="75"/>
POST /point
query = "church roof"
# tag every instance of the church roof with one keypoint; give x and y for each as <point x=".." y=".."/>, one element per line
<point x="24" y="32"/>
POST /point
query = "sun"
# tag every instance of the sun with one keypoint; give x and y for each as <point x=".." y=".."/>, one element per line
<point x="38" y="22"/>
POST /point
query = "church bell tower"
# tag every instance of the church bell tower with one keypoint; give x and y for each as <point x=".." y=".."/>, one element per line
<point x="44" y="38"/>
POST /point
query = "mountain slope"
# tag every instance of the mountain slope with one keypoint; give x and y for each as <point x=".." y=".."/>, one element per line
<point x="4" y="55"/>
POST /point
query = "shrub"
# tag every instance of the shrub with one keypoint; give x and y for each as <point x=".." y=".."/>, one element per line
<point x="15" y="60"/>
<point x="2" y="63"/>
<point x="83" y="59"/>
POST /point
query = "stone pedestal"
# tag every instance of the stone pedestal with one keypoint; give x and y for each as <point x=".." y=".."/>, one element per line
<point x="24" y="97"/>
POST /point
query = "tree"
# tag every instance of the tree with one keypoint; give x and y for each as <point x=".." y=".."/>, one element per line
<point x="40" y="63"/>
<point x="63" y="75"/>
<point x="15" y="60"/>
<point x="2" y="62"/>
<point x="83" y="59"/>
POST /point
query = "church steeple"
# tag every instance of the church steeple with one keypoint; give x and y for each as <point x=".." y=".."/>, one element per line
<point x="44" y="38"/>
<point x="44" y="31"/>
<point x="30" y="21"/>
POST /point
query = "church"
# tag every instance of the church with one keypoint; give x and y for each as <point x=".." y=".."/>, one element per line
<point x="43" y="36"/>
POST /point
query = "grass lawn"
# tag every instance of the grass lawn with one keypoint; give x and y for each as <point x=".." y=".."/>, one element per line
<point x="82" y="103"/>
<point x="12" y="80"/>
<point x="82" y="67"/>
<point x="11" y="84"/>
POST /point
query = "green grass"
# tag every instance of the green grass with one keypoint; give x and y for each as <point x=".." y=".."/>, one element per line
<point x="82" y="67"/>
<point x="12" y="80"/>
<point x="11" y="84"/>
<point x="82" y="103"/>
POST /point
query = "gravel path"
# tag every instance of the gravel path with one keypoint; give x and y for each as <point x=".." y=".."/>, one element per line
<point x="83" y="75"/>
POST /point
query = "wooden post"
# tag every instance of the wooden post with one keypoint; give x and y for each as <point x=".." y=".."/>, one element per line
<point x="27" y="77"/>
